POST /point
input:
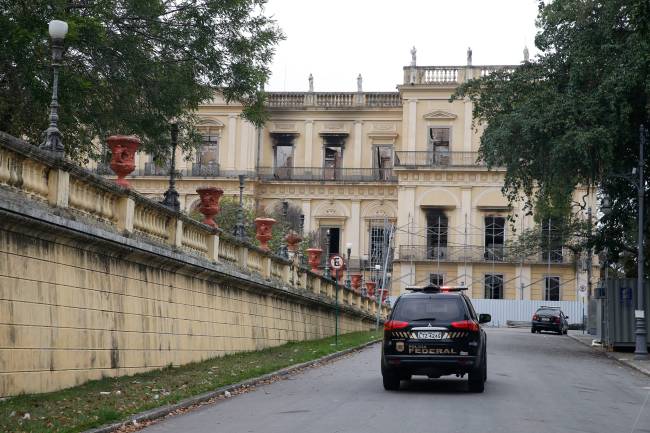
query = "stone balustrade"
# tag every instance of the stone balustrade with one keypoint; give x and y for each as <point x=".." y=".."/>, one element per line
<point x="65" y="185"/>
<point x="337" y="100"/>
<point x="448" y="75"/>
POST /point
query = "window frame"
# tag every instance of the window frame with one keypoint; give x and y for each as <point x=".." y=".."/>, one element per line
<point x="485" y="288"/>
<point x="546" y="290"/>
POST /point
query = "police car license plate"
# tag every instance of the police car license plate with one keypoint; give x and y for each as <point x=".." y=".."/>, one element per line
<point x="430" y="335"/>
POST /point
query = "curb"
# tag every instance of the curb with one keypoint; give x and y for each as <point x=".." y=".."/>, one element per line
<point x="614" y="357"/>
<point x="163" y="411"/>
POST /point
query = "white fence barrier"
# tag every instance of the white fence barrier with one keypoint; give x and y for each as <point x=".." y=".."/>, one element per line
<point x="503" y="310"/>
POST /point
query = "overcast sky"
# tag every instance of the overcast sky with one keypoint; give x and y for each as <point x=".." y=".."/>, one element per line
<point x="336" y="40"/>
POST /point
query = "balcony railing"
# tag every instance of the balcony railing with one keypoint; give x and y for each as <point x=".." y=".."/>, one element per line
<point x="449" y="75"/>
<point x="194" y="170"/>
<point x="323" y="174"/>
<point x="478" y="254"/>
<point x="414" y="159"/>
<point x="333" y="99"/>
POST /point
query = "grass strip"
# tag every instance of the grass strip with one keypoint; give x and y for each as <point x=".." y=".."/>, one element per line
<point x="109" y="400"/>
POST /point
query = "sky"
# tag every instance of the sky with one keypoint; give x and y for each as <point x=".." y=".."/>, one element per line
<point x="336" y="40"/>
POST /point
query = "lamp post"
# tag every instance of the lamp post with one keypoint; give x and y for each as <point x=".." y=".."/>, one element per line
<point x="348" y="283"/>
<point x="53" y="139"/>
<point x="171" y="195"/>
<point x="284" y="252"/>
<point x="240" y="231"/>
<point x="378" y="291"/>
<point x="641" y="347"/>
<point x="326" y="271"/>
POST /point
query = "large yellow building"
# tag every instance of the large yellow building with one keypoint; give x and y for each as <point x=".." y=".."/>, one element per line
<point x="359" y="163"/>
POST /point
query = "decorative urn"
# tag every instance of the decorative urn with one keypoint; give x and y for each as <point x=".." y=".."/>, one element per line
<point x="263" y="228"/>
<point x="356" y="281"/>
<point x="313" y="258"/>
<point x="293" y="239"/>
<point x="209" y="204"/>
<point x="123" y="148"/>
<point x="371" y="288"/>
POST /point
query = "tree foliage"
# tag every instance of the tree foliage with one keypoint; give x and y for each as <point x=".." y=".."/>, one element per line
<point x="130" y="66"/>
<point x="571" y="117"/>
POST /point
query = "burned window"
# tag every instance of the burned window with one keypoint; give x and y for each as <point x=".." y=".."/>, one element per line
<point x="437" y="234"/>
<point x="495" y="236"/>
<point x="551" y="288"/>
<point x="493" y="286"/>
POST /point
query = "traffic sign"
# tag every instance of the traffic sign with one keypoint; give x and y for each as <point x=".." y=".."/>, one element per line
<point x="336" y="262"/>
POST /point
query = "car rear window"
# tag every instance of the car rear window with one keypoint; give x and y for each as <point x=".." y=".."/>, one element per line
<point x="440" y="309"/>
<point x="548" y="311"/>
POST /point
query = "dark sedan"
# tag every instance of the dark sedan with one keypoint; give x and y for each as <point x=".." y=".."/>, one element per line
<point x="549" y="319"/>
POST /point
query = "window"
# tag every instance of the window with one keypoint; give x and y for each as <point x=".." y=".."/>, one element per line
<point x="282" y="155"/>
<point x="439" y="309"/>
<point x="437" y="279"/>
<point x="208" y="154"/>
<point x="335" y="240"/>
<point x="551" y="288"/>
<point x="493" y="286"/>
<point x="437" y="231"/>
<point x="551" y="241"/>
<point x="495" y="234"/>
<point x="378" y="236"/>
<point x="439" y="145"/>
<point x="333" y="155"/>
<point x="383" y="162"/>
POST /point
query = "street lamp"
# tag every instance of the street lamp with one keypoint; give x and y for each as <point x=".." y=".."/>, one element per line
<point x="326" y="271"/>
<point x="171" y="195"/>
<point x="378" y="293"/>
<point x="53" y="139"/>
<point x="348" y="283"/>
<point x="641" y="349"/>
<point x="240" y="231"/>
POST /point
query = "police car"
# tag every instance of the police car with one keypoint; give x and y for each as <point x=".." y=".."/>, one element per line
<point x="434" y="331"/>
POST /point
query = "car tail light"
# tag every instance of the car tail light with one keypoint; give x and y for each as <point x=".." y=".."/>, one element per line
<point x="557" y="320"/>
<point x="391" y="325"/>
<point x="469" y="325"/>
<point x="535" y="317"/>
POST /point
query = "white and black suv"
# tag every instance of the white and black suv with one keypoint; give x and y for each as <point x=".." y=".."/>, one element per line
<point x="434" y="331"/>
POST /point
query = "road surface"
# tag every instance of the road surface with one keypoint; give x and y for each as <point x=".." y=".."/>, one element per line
<point x="536" y="383"/>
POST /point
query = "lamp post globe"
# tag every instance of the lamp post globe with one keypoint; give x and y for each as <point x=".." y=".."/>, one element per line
<point x="53" y="138"/>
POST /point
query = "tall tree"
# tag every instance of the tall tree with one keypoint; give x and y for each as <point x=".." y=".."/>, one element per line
<point x="571" y="116"/>
<point x="131" y="65"/>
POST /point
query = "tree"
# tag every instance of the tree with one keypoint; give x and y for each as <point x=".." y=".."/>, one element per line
<point x="131" y="66"/>
<point x="570" y="118"/>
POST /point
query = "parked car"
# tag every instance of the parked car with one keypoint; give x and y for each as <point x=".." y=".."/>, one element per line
<point x="434" y="331"/>
<point x="549" y="319"/>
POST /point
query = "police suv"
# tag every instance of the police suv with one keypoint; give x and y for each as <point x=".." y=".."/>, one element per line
<point x="434" y="331"/>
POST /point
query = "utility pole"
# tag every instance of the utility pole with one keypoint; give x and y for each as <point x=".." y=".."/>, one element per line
<point x="641" y="349"/>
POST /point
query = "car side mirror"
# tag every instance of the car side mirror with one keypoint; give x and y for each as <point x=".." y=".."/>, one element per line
<point x="566" y="317"/>
<point x="484" y="318"/>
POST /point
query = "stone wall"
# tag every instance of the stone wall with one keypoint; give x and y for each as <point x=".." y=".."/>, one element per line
<point x="96" y="281"/>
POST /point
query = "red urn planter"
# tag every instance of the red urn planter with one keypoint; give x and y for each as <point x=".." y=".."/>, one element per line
<point x="123" y="148"/>
<point x="356" y="281"/>
<point x="313" y="257"/>
<point x="209" y="205"/>
<point x="293" y="239"/>
<point x="263" y="228"/>
<point x="371" y="288"/>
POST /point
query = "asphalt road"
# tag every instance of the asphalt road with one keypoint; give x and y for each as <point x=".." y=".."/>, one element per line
<point x="536" y="383"/>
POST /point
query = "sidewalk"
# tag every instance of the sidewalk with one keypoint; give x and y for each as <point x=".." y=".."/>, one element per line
<point x="622" y="357"/>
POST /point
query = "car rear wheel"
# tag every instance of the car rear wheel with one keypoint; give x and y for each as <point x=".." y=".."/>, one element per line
<point x="477" y="377"/>
<point x="391" y="380"/>
<point x="533" y="330"/>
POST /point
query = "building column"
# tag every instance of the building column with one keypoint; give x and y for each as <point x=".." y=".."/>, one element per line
<point x="358" y="143"/>
<point x="309" y="142"/>
<point x="232" y="140"/>
<point x="465" y="274"/>
<point x="523" y="278"/>
<point x="243" y="148"/>
<point x="353" y="228"/>
<point x="467" y="128"/>
<point x="306" y="211"/>
<point x="412" y="122"/>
